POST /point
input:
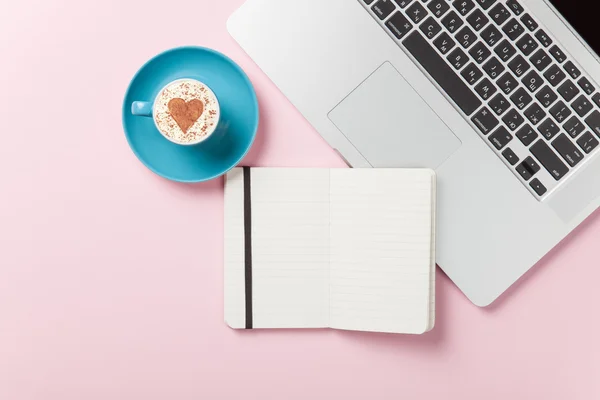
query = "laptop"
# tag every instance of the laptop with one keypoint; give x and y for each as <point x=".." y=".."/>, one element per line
<point x="500" y="97"/>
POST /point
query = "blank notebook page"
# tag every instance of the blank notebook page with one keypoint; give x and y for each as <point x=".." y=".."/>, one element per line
<point x="381" y="247"/>
<point x="290" y="248"/>
<point x="341" y="248"/>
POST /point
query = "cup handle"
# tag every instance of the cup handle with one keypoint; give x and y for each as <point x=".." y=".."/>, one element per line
<point x="141" y="108"/>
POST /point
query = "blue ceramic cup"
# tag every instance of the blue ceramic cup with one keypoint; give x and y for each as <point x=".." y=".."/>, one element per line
<point x="157" y="109"/>
<point x="227" y="145"/>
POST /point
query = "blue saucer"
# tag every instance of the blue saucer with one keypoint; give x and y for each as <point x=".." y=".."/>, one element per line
<point x="225" y="148"/>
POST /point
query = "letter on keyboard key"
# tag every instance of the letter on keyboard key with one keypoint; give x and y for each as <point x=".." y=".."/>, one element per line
<point x="398" y="25"/>
<point x="527" y="135"/>
<point x="515" y="7"/>
<point x="500" y="138"/>
<point x="441" y="72"/>
<point x="485" y="4"/>
<point x="549" y="159"/>
<point x="463" y="6"/>
<point x="587" y="142"/>
<point x="567" y="150"/>
<point x="548" y="129"/>
<point x="383" y="8"/>
<point x="593" y="122"/>
<point x="485" y="120"/>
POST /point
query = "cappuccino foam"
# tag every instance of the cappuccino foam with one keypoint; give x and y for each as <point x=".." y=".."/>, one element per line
<point x="189" y="122"/>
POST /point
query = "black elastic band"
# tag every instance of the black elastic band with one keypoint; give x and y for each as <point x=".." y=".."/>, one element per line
<point x="248" y="245"/>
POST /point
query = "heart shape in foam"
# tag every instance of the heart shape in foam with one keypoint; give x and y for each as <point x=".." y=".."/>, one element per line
<point x="185" y="113"/>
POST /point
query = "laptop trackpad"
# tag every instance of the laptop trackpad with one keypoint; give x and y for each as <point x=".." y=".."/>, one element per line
<point x="391" y="125"/>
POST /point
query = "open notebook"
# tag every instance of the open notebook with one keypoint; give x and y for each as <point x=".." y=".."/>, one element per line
<point x="343" y="248"/>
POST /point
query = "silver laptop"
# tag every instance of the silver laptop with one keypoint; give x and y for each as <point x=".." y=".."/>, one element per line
<point x="500" y="97"/>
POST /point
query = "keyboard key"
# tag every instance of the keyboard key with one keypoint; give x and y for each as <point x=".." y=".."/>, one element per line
<point x="535" y="113"/>
<point x="532" y="81"/>
<point x="452" y="22"/>
<point x="515" y="7"/>
<point x="572" y="70"/>
<point x="510" y="156"/>
<point x="513" y="119"/>
<point x="586" y="85"/>
<point x="582" y="106"/>
<point x="500" y="138"/>
<point x="507" y="83"/>
<point x="568" y="90"/>
<point x="383" y="8"/>
<point x="527" y="135"/>
<point x="466" y="37"/>
<point x="444" y="43"/>
<point x="485" y="89"/>
<point x="542" y="152"/>
<point x="548" y="129"/>
<point x="416" y="12"/>
<point x="546" y="96"/>
<point x="596" y="99"/>
<point x="554" y="75"/>
<point x="521" y="98"/>
<point x="531" y="165"/>
<point x="368" y="2"/>
<point x="574" y="127"/>
<point x="480" y="52"/>
<point x="398" y="25"/>
<point x="558" y="54"/>
<point x="527" y="44"/>
<point x="402" y="3"/>
<point x="540" y="60"/>
<point x="485" y="121"/>
<point x="543" y="38"/>
<point x="499" y="14"/>
<point x="518" y="66"/>
<point x="528" y="168"/>
<point x="505" y="50"/>
<point x="477" y="19"/>
<point x="499" y="104"/>
<point x="524" y="171"/>
<point x="441" y="72"/>
<point x="463" y="6"/>
<point x="438" y="7"/>
<point x="567" y="150"/>
<point x="471" y="74"/>
<point x="493" y="67"/>
<point x="593" y="121"/>
<point x="587" y="142"/>
<point x="560" y="112"/>
<point x="485" y="4"/>
<point x="491" y="35"/>
<point x="537" y="187"/>
<point x="529" y="22"/>
<point x="430" y="28"/>
<point x="513" y="29"/>
<point x="458" y="58"/>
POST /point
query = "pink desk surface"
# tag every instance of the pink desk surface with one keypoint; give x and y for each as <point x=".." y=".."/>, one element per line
<point x="111" y="278"/>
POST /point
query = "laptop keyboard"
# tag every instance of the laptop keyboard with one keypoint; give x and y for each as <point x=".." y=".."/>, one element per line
<point x="530" y="102"/>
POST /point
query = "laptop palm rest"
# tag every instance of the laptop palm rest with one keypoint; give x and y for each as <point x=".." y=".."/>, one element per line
<point x="391" y="125"/>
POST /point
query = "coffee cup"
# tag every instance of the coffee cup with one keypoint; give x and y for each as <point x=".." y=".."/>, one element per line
<point x="185" y="111"/>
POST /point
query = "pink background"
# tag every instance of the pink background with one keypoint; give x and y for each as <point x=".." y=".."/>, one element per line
<point x="111" y="278"/>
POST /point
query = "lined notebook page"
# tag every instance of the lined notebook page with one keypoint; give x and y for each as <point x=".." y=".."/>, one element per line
<point x="290" y="248"/>
<point x="381" y="250"/>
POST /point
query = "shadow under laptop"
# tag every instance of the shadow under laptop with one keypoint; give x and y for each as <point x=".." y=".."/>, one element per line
<point x="545" y="262"/>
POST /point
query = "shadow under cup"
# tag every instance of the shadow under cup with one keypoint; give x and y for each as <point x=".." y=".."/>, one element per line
<point x="225" y="147"/>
